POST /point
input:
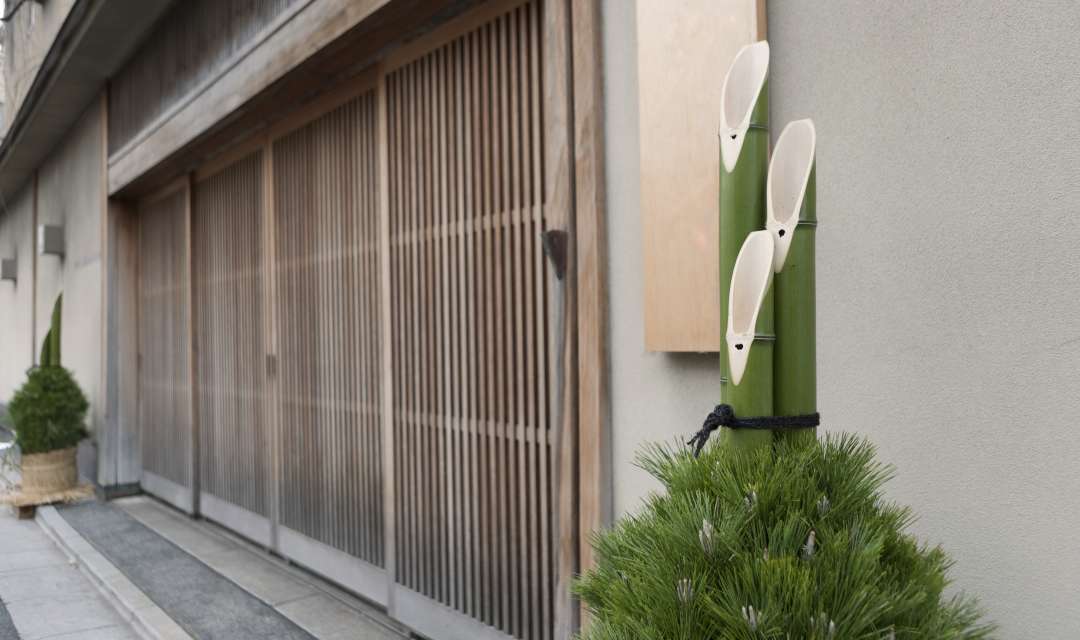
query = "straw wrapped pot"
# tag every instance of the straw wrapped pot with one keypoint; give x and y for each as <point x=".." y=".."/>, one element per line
<point x="46" y="478"/>
<point x="50" y="472"/>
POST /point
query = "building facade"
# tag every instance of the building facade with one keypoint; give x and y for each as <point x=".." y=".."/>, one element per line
<point x="368" y="281"/>
<point x="317" y="280"/>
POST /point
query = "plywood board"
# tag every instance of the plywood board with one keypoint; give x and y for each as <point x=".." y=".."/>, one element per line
<point x="684" y="48"/>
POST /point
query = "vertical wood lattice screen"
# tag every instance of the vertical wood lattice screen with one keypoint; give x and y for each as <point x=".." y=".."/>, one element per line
<point x="328" y="263"/>
<point x="234" y="438"/>
<point x="290" y="296"/>
<point x="470" y="388"/>
<point x="164" y="390"/>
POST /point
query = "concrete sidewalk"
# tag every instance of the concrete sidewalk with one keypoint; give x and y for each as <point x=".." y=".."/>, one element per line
<point x="44" y="593"/>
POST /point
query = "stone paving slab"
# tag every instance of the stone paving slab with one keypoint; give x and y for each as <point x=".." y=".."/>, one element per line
<point x="148" y="620"/>
<point x="315" y="605"/>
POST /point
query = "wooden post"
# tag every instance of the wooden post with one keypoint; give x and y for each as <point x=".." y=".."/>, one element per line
<point x="559" y="214"/>
<point x="596" y="507"/>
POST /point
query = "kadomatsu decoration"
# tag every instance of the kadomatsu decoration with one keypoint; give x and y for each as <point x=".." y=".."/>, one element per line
<point x="763" y="534"/>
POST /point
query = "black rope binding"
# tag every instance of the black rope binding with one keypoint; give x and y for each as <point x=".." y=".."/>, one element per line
<point x="724" y="416"/>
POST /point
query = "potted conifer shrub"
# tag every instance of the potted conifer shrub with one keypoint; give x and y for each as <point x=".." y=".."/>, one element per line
<point x="49" y="415"/>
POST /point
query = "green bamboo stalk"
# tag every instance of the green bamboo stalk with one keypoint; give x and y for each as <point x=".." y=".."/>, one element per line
<point x="744" y="158"/>
<point x="792" y="219"/>
<point x="749" y="342"/>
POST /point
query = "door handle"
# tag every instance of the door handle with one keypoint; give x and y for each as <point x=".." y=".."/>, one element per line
<point x="555" y="241"/>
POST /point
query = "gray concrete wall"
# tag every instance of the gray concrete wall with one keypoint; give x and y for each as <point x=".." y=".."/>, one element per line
<point x="16" y="298"/>
<point x="948" y="274"/>
<point x="27" y="39"/>
<point x="655" y="396"/>
<point x="71" y="193"/>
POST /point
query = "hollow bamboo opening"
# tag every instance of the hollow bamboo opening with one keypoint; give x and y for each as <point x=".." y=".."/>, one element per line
<point x="789" y="174"/>
<point x="750" y="281"/>
<point x="739" y="94"/>
<point x="743" y="83"/>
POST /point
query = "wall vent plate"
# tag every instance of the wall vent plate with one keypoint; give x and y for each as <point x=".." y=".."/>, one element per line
<point x="9" y="269"/>
<point x="50" y="240"/>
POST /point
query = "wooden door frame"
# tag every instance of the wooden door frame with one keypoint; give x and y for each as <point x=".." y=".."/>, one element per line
<point x="594" y="431"/>
<point x="574" y="30"/>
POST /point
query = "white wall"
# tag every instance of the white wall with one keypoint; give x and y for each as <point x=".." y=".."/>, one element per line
<point x="948" y="274"/>
<point x="16" y="298"/>
<point x="71" y="185"/>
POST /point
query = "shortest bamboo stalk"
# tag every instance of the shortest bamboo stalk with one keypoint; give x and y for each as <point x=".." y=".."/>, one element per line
<point x="750" y="341"/>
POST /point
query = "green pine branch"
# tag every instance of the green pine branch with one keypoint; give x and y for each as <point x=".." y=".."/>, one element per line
<point x="793" y="542"/>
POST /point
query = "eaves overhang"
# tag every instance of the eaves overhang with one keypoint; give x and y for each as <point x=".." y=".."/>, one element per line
<point x="96" y="38"/>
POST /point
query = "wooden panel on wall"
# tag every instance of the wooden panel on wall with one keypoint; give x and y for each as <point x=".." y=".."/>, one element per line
<point x="164" y="348"/>
<point x="229" y="290"/>
<point x="471" y="392"/>
<point x="196" y="40"/>
<point x="328" y="274"/>
<point x="679" y="119"/>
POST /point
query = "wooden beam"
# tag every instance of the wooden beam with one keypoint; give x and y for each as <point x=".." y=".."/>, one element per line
<point x="298" y="39"/>
<point x="34" y="269"/>
<point x="594" y="438"/>
<point x="559" y="213"/>
<point x="386" y="355"/>
<point x="106" y="436"/>
<point x="270" y="400"/>
<point x="186" y="184"/>
<point x="120" y="460"/>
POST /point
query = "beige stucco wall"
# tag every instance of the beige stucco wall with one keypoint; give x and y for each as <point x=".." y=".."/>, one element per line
<point x="948" y="274"/>
<point x="16" y="298"/>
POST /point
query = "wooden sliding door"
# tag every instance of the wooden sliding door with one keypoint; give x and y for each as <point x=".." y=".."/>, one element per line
<point x="472" y="428"/>
<point x="236" y="438"/>
<point x="328" y="272"/>
<point x="167" y="436"/>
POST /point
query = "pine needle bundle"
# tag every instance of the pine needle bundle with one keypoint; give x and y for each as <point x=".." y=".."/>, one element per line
<point x="789" y="542"/>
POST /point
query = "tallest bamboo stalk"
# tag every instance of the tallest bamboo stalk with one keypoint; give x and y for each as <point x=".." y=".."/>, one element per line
<point x="744" y="164"/>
